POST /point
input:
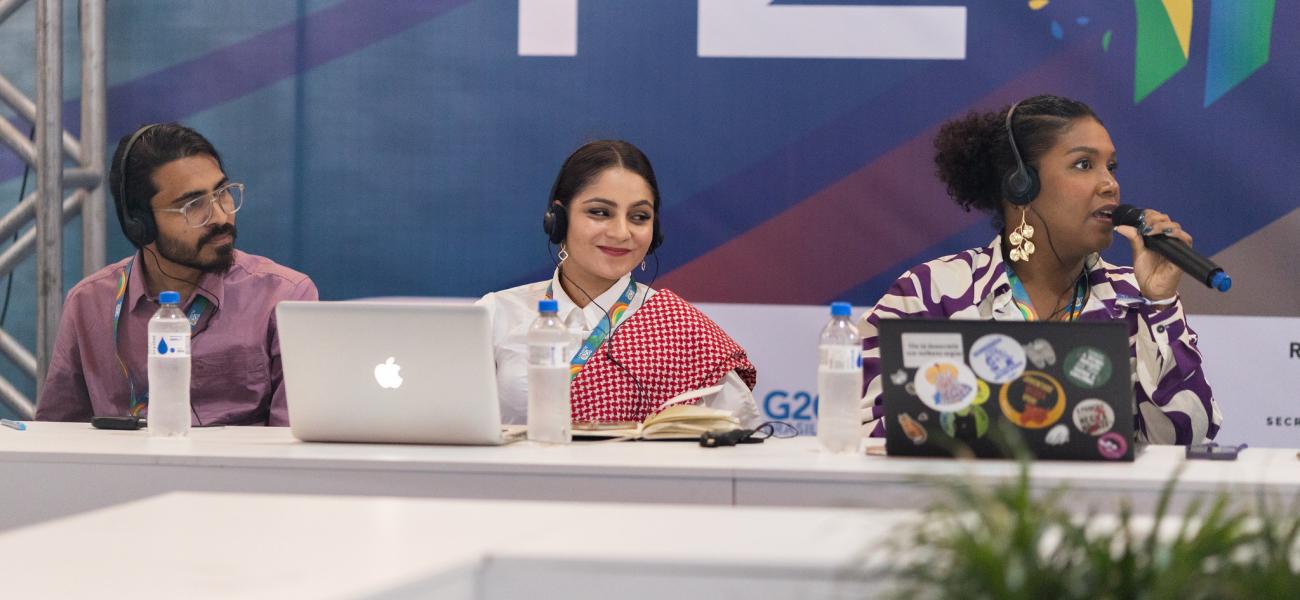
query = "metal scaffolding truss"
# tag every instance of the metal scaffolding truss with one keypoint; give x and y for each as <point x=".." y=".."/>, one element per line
<point x="47" y="205"/>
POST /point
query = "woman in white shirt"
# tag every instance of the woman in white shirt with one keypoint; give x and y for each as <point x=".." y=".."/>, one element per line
<point x="639" y="347"/>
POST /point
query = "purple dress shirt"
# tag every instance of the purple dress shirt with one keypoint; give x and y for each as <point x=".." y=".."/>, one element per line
<point x="235" y="376"/>
<point x="1174" y="403"/>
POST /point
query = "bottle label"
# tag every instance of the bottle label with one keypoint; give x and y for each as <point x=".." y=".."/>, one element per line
<point x="548" y="355"/>
<point x="169" y="344"/>
<point x="841" y="358"/>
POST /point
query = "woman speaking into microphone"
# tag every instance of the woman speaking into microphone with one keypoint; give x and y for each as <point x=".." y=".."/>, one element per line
<point x="640" y="346"/>
<point x="1044" y="169"/>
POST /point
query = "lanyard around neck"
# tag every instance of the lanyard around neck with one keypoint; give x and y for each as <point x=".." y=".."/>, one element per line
<point x="1020" y="297"/>
<point x="602" y="330"/>
<point x="197" y="308"/>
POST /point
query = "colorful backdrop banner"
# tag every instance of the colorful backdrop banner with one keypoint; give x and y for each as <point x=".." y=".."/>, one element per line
<point x="406" y="147"/>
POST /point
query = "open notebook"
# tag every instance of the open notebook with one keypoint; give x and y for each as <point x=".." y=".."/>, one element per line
<point x="676" y="422"/>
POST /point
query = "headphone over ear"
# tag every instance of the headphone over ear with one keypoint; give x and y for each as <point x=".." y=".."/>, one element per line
<point x="1020" y="185"/>
<point x="138" y="225"/>
<point x="556" y="225"/>
<point x="555" y="222"/>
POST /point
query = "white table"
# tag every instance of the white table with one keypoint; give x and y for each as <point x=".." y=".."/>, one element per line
<point x="202" y="545"/>
<point x="57" y="469"/>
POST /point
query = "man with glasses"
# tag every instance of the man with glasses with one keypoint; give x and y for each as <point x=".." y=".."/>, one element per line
<point x="177" y="207"/>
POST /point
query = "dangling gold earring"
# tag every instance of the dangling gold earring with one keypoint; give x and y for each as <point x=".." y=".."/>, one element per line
<point x="564" y="254"/>
<point x="1021" y="247"/>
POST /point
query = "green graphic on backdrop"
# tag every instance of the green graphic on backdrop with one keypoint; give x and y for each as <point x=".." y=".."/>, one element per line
<point x="1164" y="31"/>
<point x="1240" y="34"/>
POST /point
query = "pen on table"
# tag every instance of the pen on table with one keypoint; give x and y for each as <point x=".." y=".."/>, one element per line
<point x="19" y="425"/>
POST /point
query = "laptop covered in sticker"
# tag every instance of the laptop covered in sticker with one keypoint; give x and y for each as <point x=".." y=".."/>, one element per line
<point x="949" y="387"/>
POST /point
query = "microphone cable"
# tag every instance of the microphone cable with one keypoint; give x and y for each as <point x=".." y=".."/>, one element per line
<point x="194" y="283"/>
<point x="642" y="392"/>
<point x="1059" y="306"/>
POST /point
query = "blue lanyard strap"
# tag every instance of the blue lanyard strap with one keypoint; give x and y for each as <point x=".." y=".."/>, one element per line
<point x="598" y="335"/>
<point x="197" y="308"/>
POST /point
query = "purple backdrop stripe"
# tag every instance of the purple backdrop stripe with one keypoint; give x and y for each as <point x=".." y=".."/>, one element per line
<point x="183" y="89"/>
<point x="872" y="207"/>
<point x="804" y="167"/>
<point x="866" y="220"/>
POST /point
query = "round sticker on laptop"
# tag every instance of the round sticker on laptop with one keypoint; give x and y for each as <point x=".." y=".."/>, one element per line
<point x="997" y="358"/>
<point x="969" y="426"/>
<point x="1087" y="367"/>
<point x="982" y="393"/>
<point x="1093" y="417"/>
<point x="1035" y="401"/>
<point x="945" y="385"/>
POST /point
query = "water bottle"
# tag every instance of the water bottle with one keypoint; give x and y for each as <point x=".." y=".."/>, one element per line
<point x="169" y="369"/>
<point x="550" y="345"/>
<point x="839" y="383"/>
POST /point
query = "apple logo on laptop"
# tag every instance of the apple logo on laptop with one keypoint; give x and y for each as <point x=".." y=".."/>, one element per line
<point x="386" y="373"/>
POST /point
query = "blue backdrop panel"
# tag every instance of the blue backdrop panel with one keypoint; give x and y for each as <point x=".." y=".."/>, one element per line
<point x="404" y="147"/>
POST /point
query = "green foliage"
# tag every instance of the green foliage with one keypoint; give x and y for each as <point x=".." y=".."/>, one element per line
<point x="1007" y="542"/>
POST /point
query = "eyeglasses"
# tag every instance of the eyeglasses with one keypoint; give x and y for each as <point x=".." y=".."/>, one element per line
<point x="198" y="212"/>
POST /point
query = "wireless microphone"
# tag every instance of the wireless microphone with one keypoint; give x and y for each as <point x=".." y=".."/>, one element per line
<point x="1179" y="253"/>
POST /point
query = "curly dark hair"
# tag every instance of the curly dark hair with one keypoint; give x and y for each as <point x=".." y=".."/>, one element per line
<point x="973" y="156"/>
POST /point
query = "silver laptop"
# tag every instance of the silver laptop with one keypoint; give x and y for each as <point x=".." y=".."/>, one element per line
<point x="388" y="372"/>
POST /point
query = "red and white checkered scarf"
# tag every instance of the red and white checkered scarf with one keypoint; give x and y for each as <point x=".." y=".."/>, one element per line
<point x="668" y="347"/>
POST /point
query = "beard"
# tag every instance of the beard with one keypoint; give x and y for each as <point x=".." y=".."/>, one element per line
<point x="181" y="254"/>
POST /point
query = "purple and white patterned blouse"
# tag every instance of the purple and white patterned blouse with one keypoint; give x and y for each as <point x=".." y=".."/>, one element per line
<point x="1174" y="403"/>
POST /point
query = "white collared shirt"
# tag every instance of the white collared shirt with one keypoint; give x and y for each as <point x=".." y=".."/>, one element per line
<point x="513" y="312"/>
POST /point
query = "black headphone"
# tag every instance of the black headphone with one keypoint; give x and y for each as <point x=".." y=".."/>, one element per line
<point x="1020" y="185"/>
<point x="138" y="225"/>
<point x="556" y="225"/>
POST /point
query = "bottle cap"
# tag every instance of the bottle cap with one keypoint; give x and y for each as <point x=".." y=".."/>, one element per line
<point x="841" y="309"/>
<point x="169" y="298"/>
<point x="548" y="305"/>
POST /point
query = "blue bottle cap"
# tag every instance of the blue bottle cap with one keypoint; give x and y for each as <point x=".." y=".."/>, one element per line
<point x="169" y="298"/>
<point x="841" y="309"/>
<point x="548" y="305"/>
